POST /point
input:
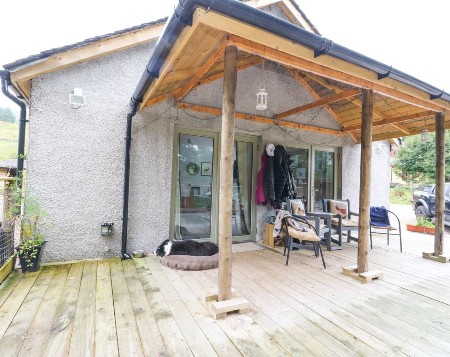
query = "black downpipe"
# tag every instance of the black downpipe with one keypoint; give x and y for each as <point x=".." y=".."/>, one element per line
<point x="6" y="82"/>
<point x="126" y="181"/>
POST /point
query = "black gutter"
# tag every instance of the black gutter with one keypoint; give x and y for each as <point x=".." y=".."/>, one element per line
<point x="6" y="82"/>
<point x="239" y="11"/>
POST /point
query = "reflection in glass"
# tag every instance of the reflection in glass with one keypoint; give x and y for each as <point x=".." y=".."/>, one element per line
<point x="195" y="174"/>
<point x="323" y="177"/>
<point x="299" y="159"/>
<point x="242" y="188"/>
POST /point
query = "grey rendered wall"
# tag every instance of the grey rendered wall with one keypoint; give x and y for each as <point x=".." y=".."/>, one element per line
<point x="76" y="156"/>
<point x="379" y="187"/>
<point x="154" y="135"/>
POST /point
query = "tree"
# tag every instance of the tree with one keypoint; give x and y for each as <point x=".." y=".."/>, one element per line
<point x="7" y="115"/>
<point x="416" y="160"/>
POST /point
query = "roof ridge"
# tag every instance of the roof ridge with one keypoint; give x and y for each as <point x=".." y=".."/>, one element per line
<point x="50" y="52"/>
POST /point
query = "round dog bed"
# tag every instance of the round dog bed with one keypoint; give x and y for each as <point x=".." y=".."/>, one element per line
<point x="190" y="262"/>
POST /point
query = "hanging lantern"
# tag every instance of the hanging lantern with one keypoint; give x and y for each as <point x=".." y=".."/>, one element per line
<point x="261" y="96"/>
<point x="261" y="99"/>
<point x="425" y="136"/>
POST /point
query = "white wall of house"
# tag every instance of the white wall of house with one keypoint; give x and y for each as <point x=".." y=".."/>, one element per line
<point x="76" y="156"/>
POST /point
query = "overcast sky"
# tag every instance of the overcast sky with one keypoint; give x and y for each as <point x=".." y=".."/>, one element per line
<point x="410" y="35"/>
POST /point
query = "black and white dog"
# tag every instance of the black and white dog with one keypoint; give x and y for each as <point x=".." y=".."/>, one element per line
<point x="186" y="247"/>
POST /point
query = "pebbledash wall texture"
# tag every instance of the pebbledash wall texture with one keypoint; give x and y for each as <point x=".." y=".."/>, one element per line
<point x="76" y="156"/>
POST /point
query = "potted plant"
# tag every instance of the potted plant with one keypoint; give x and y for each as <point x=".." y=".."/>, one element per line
<point x="424" y="225"/>
<point x="29" y="219"/>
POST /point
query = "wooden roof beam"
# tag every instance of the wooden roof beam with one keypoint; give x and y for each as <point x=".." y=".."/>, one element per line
<point x="259" y="119"/>
<point x="337" y="89"/>
<point x="394" y="120"/>
<point x="314" y="94"/>
<point x="242" y="63"/>
<point x="215" y="55"/>
<point x="182" y="41"/>
<point x="331" y="99"/>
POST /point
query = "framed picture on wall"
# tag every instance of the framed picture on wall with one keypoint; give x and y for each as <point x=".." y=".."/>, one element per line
<point x="300" y="173"/>
<point x="294" y="159"/>
<point x="206" y="169"/>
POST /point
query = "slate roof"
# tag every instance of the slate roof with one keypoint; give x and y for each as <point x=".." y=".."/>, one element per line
<point x="53" y="51"/>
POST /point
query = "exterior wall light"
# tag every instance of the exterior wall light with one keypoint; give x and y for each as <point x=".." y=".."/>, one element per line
<point x="76" y="99"/>
<point x="106" y="229"/>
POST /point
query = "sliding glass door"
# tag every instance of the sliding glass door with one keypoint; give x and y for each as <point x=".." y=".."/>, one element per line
<point x="196" y="187"/>
<point x="314" y="171"/>
<point x="324" y="176"/>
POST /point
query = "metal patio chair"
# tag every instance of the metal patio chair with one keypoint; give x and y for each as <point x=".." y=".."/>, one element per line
<point x="380" y="224"/>
<point x="295" y="238"/>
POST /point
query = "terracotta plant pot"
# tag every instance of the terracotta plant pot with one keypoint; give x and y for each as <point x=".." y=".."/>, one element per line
<point x="414" y="228"/>
<point x="420" y="229"/>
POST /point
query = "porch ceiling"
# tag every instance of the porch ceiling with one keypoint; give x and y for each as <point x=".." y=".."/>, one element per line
<point x="197" y="59"/>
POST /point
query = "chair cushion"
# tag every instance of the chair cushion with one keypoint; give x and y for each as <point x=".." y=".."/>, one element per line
<point x="339" y="207"/>
<point x="345" y="222"/>
<point x="297" y="207"/>
<point x="306" y="236"/>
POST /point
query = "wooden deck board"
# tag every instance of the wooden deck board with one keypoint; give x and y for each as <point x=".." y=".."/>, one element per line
<point x="105" y="326"/>
<point x="138" y="307"/>
<point x="39" y="331"/>
<point x="17" y="331"/>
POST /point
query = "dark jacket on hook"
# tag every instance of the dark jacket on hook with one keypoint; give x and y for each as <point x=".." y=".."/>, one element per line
<point x="283" y="179"/>
<point x="268" y="180"/>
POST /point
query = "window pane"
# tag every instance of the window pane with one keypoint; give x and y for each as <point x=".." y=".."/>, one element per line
<point x="195" y="175"/>
<point x="242" y="188"/>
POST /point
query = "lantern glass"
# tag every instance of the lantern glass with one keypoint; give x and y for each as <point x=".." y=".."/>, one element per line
<point x="425" y="136"/>
<point x="261" y="99"/>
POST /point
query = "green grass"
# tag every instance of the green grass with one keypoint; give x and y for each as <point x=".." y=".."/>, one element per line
<point x="400" y="195"/>
<point x="9" y="133"/>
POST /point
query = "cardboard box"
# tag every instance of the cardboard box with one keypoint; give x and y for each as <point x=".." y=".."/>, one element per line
<point x="268" y="234"/>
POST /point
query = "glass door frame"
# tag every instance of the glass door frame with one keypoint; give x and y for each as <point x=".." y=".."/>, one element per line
<point x="175" y="190"/>
<point x="255" y="140"/>
<point x="335" y="173"/>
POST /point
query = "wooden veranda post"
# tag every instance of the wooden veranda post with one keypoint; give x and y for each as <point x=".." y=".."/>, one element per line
<point x="365" y="172"/>
<point x="440" y="185"/>
<point x="226" y="176"/>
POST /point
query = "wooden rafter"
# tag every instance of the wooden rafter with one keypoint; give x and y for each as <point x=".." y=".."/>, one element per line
<point x="331" y="99"/>
<point x="180" y="94"/>
<point x="392" y="120"/>
<point x="313" y="93"/>
<point x="300" y="63"/>
<point x="182" y="41"/>
<point x="159" y="98"/>
<point x="243" y="63"/>
<point x="259" y="119"/>
<point x="377" y="114"/>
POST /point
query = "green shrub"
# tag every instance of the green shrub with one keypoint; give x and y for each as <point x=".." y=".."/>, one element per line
<point x="400" y="195"/>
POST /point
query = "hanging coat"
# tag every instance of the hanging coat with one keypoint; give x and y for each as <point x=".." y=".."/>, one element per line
<point x="260" y="197"/>
<point x="268" y="180"/>
<point x="280" y="175"/>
